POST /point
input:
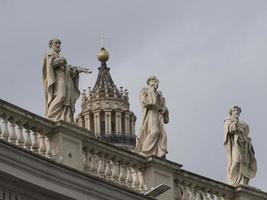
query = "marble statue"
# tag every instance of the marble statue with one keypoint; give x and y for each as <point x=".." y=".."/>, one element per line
<point x="241" y="162"/>
<point x="152" y="138"/>
<point x="60" y="84"/>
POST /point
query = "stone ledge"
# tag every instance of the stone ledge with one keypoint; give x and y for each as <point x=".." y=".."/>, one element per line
<point x="249" y="191"/>
<point x="34" y="168"/>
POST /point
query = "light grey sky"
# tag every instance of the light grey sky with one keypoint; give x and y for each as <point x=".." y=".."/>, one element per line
<point x="209" y="55"/>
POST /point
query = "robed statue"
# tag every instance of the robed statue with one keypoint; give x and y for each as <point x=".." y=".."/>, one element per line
<point x="241" y="162"/>
<point x="152" y="138"/>
<point x="61" y="82"/>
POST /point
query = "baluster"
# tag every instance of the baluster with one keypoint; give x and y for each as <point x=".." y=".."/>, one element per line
<point x="18" y="197"/>
<point x="101" y="166"/>
<point x="207" y="196"/>
<point x="136" y="182"/>
<point x="35" y="144"/>
<point x="94" y="163"/>
<point x="181" y="191"/>
<point x="108" y="171"/>
<point x="13" y="136"/>
<point x="123" y="173"/>
<point x="220" y="197"/>
<point x="186" y="193"/>
<point x="0" y="130"/>
<point x="211" y="196"/>
<point x="178" y="191"/>
<point x="5" y="133"/>
<point x="142" y="186"/>
<point x="129" y="178"/>
<point x="1" y="194"/>
<point x="115" y="171"/>
<point x="20" y="140"/>
<point x="203" y="195"/>
<point x="6" y="195"/>
<point x="198" y="195"/>
<point x="85" y="160"/>
<point x="42" y="147"/>
<point x="192" y="194"/>
<point x="215" y="197"/>
<point x="28" y="141"/>
<point x="90" y="161"/>
<point x="12" y="196"/>
<point x="48" y="145"/>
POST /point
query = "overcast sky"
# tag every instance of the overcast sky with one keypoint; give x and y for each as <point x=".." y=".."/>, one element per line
<point x="208" y="54"/>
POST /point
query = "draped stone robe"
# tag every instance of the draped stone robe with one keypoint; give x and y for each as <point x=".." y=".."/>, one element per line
<point x="241" y="162"/>
<point x="152" y="139"/>
<point x="60" y="88"/>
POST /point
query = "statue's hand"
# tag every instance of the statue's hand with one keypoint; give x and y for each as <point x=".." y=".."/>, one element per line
<point x="63" y="60"/>
<point x="87" y="71"/>
<point x="84" y="70"/>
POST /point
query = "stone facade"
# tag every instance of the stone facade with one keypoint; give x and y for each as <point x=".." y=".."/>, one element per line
<point x="42" y="159"/>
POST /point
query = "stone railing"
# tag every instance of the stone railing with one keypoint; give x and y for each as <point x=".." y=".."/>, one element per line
<point x="8" y="195"/>
<point x="77" y="148"/>
<point x="114" y="164"/>
<point x="192" y="186"/>
<point x="39" y="135"/>
<point x="25" y="129"/>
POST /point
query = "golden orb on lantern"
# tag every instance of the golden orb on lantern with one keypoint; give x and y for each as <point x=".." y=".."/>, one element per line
<point x="103" y="55"/>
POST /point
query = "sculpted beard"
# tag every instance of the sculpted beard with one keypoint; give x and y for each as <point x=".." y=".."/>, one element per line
<point x="57" y="49"/>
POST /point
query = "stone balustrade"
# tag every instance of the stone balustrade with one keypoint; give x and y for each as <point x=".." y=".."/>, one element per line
<point x="192" y="186"/>
<point x="8" y="195"/>
<point x="116" y="165"/>
<point x="77" y="148"/>
<point x="39" y="135"/>
<point x="25" y="129"/>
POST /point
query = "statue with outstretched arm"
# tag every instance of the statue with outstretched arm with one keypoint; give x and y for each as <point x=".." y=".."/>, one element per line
<point x="61" y="82"/>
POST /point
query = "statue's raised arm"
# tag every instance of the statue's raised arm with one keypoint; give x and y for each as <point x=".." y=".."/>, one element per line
<point x="81" y="69"/>
<point x="84" y="70"/>
<point x="61" y="84"/>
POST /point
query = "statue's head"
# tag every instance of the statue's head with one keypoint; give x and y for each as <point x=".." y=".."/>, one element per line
<point x="54" y="44"/>
<point x="153" y="81"/>
<point x="235" y="111"/>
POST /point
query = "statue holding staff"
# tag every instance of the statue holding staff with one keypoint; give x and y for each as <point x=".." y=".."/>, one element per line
<point x="61" y="82"/>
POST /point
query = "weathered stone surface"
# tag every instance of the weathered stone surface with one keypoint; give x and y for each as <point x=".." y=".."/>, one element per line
<point x="152" y="138"/>
<point x="107" y="172"/>
<point x="241" y="163"/>
<point x="60" y="84"/>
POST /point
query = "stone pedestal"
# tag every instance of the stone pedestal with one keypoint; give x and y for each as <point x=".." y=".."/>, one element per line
<point x="66" y="146"/>
<point x="154" y="177"/>
<point x="158" y="172"/>
<point x="68" y="150"/>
